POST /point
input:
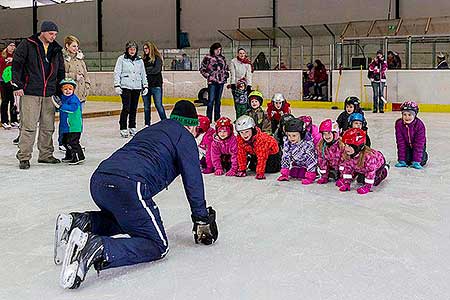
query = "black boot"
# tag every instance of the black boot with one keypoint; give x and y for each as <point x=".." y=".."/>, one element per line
<point x="24" y="164"/>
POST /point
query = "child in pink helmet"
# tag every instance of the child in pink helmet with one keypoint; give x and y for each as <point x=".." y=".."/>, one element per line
<point x="224" y="149"/>
<point x="311" y="128"/>
<point x="204" y="127"/>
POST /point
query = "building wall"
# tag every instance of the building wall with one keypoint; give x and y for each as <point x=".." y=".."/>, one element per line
<point x="155" y="20"/>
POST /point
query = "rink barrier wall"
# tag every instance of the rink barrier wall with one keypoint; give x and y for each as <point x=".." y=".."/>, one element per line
<point x="432" y="94"/>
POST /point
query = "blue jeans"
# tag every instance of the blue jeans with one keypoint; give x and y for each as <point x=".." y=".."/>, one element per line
<point x="126" y="207"/>
<point x="378" y="104"/>
<point x="214" y="96"/>
<point x="156" y="92"/>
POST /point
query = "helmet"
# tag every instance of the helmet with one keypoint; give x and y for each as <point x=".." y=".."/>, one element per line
<point x="286" y="118"/>
<point x="410" y="105"/>
<point x="258" y="95"/>
<point x="354" y="137"/>
<point x="308" y="122"/>
<point x="203" y="124"/>
<point x="224" y="122"/>
<point x="68" y="81"/>
<point x="278" y="98"/>
<point x="245" y="122"/>
<point x="295" y="125"/>
<point x="357" y="117"/>
<point x="354" y="101"/>
<point x="328" y="126"/>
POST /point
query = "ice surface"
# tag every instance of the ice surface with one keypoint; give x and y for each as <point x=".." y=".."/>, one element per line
<point x="276" y="240"/>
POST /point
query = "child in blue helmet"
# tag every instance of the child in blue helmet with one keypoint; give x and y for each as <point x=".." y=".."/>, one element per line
<point x="357" y="120"/>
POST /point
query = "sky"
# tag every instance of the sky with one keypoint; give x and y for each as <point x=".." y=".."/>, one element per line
<point x="29" y="3"/>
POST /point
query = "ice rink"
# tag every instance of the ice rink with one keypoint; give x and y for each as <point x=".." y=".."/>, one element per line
<point x="277" y="240"/>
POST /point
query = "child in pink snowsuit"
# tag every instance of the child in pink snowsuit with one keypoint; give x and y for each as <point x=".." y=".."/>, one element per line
<point x="224" y="148"/>
<point x="329" y="150"/>
<point x="311" y="128"/>
<point x="204" y="128"/>
<point x="360" y="159"/>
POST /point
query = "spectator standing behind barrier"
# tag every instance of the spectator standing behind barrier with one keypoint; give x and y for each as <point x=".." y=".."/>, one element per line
<point x="442" y="63"/>
<point x="261" y="62"/>
<point x="215" y="69"/>
<point x="241" y="68"/>
<point x="377" y="76"/>
<point x="186" y="62"/>
<point x="153" y="63"/>
<point x="320" y="79"/>
<point x="6" y="59"/>
<point x="393" y="60"/>
<point x="309" y="82"/>
<point x="129" y="80"/>
<point x="75" y="69"/>
<point x="38" y="67"/>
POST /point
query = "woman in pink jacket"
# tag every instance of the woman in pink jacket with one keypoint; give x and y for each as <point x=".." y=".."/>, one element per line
<point x="204" y="127"/>
<point x="330" y="150"/>
<point x="360" y="159"/>
<point x="224" y="148"/>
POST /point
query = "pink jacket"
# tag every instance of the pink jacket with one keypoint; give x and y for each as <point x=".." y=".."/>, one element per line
<point x="220" y="147"/>
<point x="372" y="162"/>
<point x="329" y="157"/>
<point x="205" y="144"/>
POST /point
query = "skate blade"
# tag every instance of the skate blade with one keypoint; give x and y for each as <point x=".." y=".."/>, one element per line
<point x="76" y="243"/>
<point x="63" y="224"/>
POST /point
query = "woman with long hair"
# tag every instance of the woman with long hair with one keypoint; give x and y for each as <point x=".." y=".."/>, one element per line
<point x="320" y="79"/>
<point x="153" y="62"/>
<point x="215" y="70"/>
<point x="6" y="59"/>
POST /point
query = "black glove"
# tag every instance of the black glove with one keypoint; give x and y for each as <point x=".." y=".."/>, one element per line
<point x="205" y="229"/>
<point x="233" y="87"/>
<point x="56" y="101"/>
<point x="249" y="89"/>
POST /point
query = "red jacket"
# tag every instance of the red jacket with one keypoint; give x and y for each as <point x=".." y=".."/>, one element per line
<point x="262" y="145"/>
<point x="320" y="75"/>
<point x="275" y="114"/>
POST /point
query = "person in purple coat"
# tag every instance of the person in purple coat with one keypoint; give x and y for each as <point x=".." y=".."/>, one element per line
<point x="411" y="138"/>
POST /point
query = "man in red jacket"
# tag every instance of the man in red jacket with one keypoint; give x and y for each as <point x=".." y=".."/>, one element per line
<point x="261" y="147"/>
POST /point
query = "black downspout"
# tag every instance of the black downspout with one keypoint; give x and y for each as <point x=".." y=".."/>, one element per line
<point x="35" y="20"/>
<point x="397" y="9"/>
<point x="99" y="25"/>
<point x="274" y="13"/>
<point x="178" y="22"/>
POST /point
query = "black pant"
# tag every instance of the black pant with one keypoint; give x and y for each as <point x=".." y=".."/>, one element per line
<point x="274" y="124"/>
<point x="8" y="98"/>
<point x="71" y="141"/>
<point x="318" y="88"/>
<point x="130" y="99"/>
<point x="409" y="156"/>
<point x="273" y="164"/>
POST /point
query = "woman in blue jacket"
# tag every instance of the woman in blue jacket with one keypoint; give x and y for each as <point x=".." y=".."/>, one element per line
<point x="123" y="187"/>
<point x="129" y="80"/>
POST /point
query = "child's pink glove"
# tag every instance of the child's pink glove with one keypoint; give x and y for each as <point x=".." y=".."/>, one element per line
<point x="218" y="172"/>
<point x="323" y="179"/>
<point x="208" y="170"/>
<point x="231" y="173"/>
<point x="260" y="176"/>
<point x="364" y="189"/>
<point x="284" y="175"/>
<point x="340" y="182"/>
<point x="309" y="178"/>
<point x="345" y="186"/>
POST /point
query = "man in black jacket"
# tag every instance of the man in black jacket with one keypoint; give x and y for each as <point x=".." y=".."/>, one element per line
<point x="37" y="68"/>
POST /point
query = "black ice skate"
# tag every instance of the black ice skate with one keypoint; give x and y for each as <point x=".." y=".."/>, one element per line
<point x="83" y="251"/>
<point x="64" y="226"/>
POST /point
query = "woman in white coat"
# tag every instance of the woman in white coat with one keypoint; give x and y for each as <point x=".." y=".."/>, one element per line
<point x="129" y="81"/>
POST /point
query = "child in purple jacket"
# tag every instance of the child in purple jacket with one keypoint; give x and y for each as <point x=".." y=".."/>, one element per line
<point x="411" y="138"/>
<point x="330" y="150"/>
<point x="224" y="148"/>
<point x="299" y="158"/>
<point x="360" y="159"/>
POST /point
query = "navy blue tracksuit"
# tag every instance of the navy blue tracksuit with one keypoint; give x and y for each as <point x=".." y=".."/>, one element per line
<point x="123" y="186"/>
